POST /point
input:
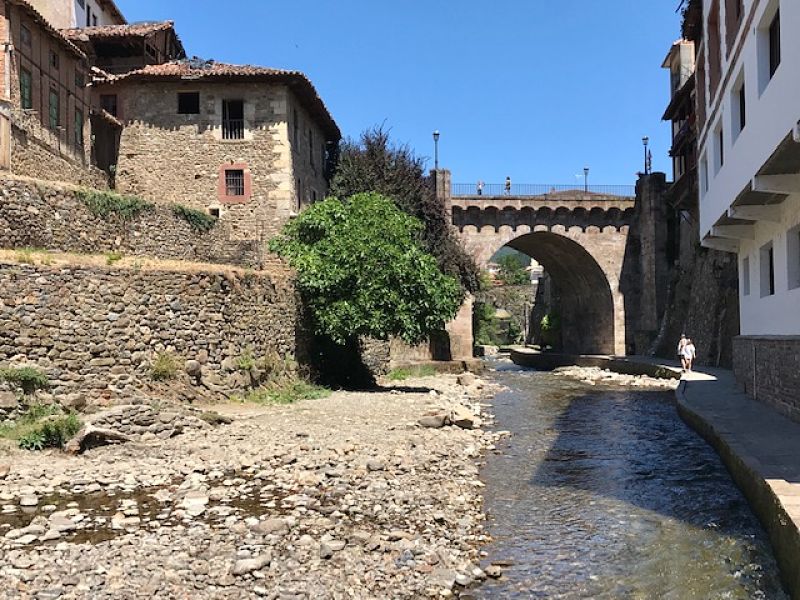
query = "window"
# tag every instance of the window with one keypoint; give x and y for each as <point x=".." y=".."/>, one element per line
<point x="775" y="44"/>
<point x="793" y="256"/>
<point x="108" y="102"/>
<point x="767" y="268"/>
<point x="79" y="128"/>
<point x="233" y="119"/>
<point x="88" y="16"/>
<point x="740" y="106"/>
<point x="54" y="60"/>
<point x="704" y="173"/>
<point x="719" y="137"/>
<point x="295" y="127"/>
<point x="714" y="50"/>
<point x="746" y="276"/>
<point x="189" y="103"/>
<point x="151" y="51"/>
<point x="313" y="196"/>
<point x="25" y="89"/>
<point x="55" y="109"/>
<point x="311" y="147"/>
<point x="299" y="193"/>
<point x="214" y="212"/>
<point x="25" y="35"/>
<point x="80" y="80"/>
<point x="234" y="182"/>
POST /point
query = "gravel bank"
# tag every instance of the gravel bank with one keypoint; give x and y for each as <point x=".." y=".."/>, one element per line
<point x="347" y="497"/>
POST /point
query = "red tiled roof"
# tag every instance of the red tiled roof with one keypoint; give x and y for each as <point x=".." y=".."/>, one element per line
<point x="117" y="31"/>
<point x="196" y="69"/>
<point x="37" y="16"/>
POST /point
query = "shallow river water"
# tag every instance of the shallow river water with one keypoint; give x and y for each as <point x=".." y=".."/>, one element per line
<point x="608" y="494"/>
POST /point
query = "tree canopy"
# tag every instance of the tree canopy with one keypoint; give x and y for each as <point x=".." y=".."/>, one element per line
<point x="512" y="270"/>
<point x="363" y="272"/>
<point x="373" y="164"/>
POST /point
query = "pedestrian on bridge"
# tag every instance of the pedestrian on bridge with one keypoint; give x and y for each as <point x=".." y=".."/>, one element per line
<point x="480" y="187"/>
<point x="508" y="186"/>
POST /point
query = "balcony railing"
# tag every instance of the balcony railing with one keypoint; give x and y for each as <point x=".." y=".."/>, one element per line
<point x="233" y="129"/>
<point x="537" y="189"/>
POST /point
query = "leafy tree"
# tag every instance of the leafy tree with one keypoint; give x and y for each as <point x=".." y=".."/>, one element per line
<point x="373" y="164"/>
<point x="362" y="272"/>
<point x="512" y="270"/>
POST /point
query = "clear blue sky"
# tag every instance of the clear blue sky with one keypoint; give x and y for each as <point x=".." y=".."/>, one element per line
<point x="534" y="89"/>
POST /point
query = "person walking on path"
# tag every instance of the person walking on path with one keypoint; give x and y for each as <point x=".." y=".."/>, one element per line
<point x="689" y="354"/>
<point x="681" y="346"/>
<point x="508" y="186"/>
<point x="480" y="187"/>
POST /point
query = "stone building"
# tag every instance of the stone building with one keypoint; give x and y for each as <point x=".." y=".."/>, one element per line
<point x="247" y="143"/>
<point x="45" y="101"/>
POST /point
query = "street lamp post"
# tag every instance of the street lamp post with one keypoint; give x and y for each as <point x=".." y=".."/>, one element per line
<point x="646" y="141"/>
<point x="586" y="180"/>
<point x="436" y="149"/>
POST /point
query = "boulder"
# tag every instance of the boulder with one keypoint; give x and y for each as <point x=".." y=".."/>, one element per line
<point x="432" y="421"/>
<point x="193" y="368"/>
<point x="465" y="379"/>
<point x="248" y="565"/>
<point x="464" y="419"/>
<point x="92" y="437"/>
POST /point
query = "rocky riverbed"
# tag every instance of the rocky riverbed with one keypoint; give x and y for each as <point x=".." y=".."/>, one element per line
<point x="605" y="377"/>
<point x="360" y="495"/>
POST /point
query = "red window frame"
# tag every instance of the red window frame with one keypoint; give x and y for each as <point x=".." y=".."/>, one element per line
<point x="222" y="190"/>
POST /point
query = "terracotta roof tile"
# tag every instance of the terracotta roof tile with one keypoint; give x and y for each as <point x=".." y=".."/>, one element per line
<point x="196" y="69"/>
<point x="117" y="31"/>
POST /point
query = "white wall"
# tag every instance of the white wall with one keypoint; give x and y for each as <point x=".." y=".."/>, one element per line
<point x="778" y="314"/>
<point x="104" y="17"/>
<point x="771" y="114"/>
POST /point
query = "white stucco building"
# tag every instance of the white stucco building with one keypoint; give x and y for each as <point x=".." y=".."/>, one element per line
<point x="69" y="14"/>
<point x="748" y="104"/>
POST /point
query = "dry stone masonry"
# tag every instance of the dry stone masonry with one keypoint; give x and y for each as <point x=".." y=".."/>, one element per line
<point x="96" y="330"/>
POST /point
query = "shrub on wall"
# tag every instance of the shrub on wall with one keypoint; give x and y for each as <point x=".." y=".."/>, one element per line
<point x="197" y="219"/>
<point x="29" y="379"/>
<point x="103" y="203"/>
<point x="164" y="367"/>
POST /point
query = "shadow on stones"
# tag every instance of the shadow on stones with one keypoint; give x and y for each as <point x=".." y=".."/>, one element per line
<point x="339" y="366"/>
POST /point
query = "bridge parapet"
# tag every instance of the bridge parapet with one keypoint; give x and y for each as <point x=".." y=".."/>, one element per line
<point x="570" y="201"/>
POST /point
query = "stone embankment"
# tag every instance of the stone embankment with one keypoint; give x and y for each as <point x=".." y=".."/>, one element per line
<point x="347" y="497"/>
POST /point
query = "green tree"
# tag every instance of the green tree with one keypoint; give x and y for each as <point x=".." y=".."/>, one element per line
<point x="362" y="271"/>
<point x="373" y="164"/>
<point x="512" y="270"/>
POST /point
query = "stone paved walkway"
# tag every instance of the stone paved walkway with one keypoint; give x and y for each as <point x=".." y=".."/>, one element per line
<point x="760" y="447"/>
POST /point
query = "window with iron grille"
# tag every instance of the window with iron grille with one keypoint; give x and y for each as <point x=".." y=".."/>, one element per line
<point x="25" y="89"/>
<point x="233" y="119"/>
<point x="55" y="109"/>
<point x="78" y="128"/>
<point x="234" y="182"/>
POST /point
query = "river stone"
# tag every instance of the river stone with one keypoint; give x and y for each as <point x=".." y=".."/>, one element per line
<point x="494" y="571"/>
<point x="29" y="500"/>
<point x="443" y="578"/>
<point x="375" y="465"/>
<point x="432" y="421"/>
<point x="248" y="565"/>
<point x="4" y="471"/>
<point x="465" y="379"/>
<point x="271" y="526"/>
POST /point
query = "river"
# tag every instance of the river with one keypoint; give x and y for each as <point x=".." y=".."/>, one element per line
<point x="601" y="493"/>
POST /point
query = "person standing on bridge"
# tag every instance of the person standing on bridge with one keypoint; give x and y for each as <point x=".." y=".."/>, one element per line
<point x="508" y="186"/>
<point x="480" y="187"/>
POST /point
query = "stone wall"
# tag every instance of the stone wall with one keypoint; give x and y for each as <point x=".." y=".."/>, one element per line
<point x="44" y="216"/>
<point x="768" y="368"/>
<point x="169" y="157"/>
<point x="96" y="329"/>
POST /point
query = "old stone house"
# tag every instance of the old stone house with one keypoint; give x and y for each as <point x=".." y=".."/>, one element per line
<point x="246" y="143"/>
<point x="45" y="100"/>
<point x="64" y="14"/>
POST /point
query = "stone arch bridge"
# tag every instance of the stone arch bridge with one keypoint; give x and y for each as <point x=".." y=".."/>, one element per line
<point x="579" y="237"/>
